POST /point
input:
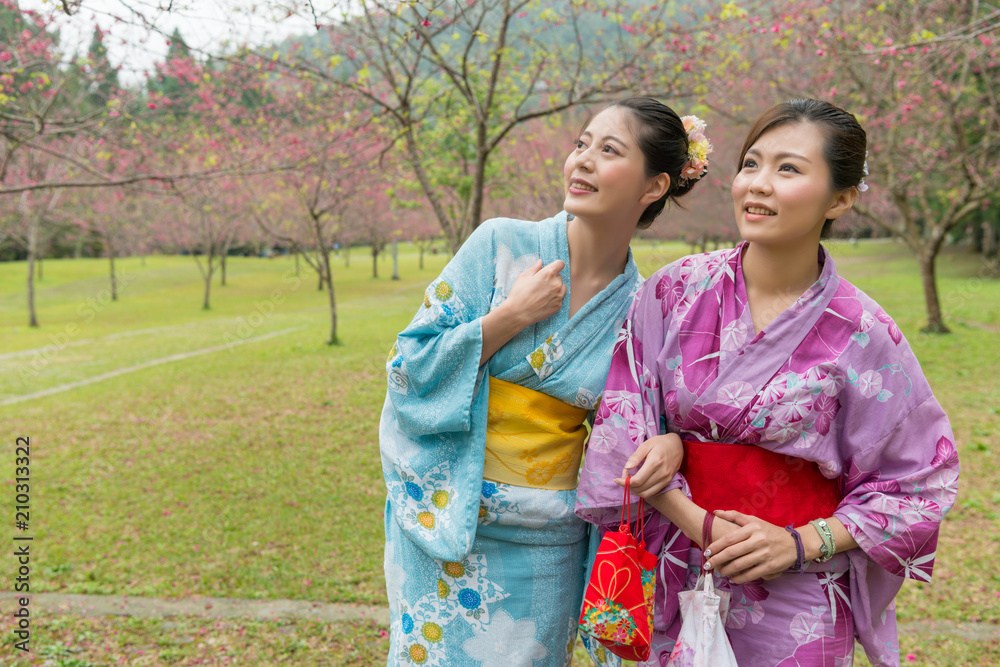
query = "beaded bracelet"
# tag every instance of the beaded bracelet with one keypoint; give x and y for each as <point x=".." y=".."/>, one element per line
<point x="829" y="547"/>
<point x="800" y="552"/>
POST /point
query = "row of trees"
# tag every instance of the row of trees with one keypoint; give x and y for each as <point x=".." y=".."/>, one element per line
<point x="420" y="118"/>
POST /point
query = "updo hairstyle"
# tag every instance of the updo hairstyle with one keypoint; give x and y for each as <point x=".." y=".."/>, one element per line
<point x="845" y="146"/>
<point x="661" y="137"/>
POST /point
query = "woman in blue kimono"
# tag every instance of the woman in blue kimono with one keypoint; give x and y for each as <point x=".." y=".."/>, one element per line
<point x="483" y="428"/>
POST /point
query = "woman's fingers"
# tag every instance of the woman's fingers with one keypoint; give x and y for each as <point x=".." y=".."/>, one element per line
<point x="538" y="291"/>
<point x="756" y="550"/>
<point x="734" y="516"/>
<point x="632" y="464"/>
<point x="654" y="463"/>
<point x="728" y="540"/>
<point x="533" y="269"/>
<point x="556" y="266"/>
<point x="738" y="567"/>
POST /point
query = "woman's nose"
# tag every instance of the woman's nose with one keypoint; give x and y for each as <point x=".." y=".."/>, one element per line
<point x="585" y="159"/>
<point x="760" y="182"/>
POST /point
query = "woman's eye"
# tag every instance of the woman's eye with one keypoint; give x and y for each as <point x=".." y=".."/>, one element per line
<point x="747" y="164"/>
<point x="579" y="144"/>
<point x="788" y="167"/>
<point x="608" y="148"/>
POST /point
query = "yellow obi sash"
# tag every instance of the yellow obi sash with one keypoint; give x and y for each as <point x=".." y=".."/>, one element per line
<point x="532" y="439"/>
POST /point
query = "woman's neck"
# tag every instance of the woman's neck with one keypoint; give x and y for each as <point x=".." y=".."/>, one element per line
<point x="780" y="271"/>
<point x="598" y="253"/>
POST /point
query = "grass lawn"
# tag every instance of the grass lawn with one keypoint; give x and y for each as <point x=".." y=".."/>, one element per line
<point x="253" y="471"/>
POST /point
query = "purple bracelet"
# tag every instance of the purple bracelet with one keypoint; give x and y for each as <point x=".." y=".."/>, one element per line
<point x="800" y="552"/>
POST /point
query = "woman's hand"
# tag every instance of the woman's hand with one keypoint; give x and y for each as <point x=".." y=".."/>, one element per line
<point x="537" y="293"/>
<point x="757" y="550"/>
<point x="660" y="457"/>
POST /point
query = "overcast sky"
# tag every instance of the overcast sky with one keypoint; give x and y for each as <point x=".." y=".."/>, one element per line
<point x="205" y="25"/>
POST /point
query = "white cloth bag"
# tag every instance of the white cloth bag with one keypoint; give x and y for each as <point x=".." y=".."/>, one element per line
<point x="702" y="641"/>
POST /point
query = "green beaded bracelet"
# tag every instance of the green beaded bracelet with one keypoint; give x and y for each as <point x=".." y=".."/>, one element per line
<point x="829" y="547"/>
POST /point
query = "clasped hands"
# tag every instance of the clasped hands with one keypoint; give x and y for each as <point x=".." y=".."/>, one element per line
<point x="754" y="549"/>
<point x="749" y="548"/>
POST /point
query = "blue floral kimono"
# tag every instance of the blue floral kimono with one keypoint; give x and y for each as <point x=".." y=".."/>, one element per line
<point x="481" y="572"/>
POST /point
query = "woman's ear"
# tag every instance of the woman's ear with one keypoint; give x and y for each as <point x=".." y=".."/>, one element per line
<point x="657" y="188"/>
<point x="842" y="203"/>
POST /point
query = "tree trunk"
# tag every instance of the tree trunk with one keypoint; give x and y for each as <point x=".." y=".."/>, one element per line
<point x="976" y="230"/>
<point x="328" y="270"/>
<point x="32" y="317"/>
<point x="222" y="262"/>
<point x="395" y="260"/>
<point x="208" y="279"/>
<point x="114" y="280"/>
<point x="296" y="261"/>
<point x="374" y="261"/>
<point x="32" y="243"/>
<point x="989" y="241"/>
<point x="475" y="210"/>
<point x="430" y="192"/>
<point x="421" y="248"/>
<point x="935" y="324"/>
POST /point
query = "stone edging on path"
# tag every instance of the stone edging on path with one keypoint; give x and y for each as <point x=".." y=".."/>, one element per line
<point x="270" y="610"/>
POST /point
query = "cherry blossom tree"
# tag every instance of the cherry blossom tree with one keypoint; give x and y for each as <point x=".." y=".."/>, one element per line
<point x="307" y="207"/>
<point x="921" y="77"/>
<point x="458" y="77"/>
<point x="28" y="217"/>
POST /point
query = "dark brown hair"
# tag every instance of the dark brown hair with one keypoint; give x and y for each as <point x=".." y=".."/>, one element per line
<point x="661" y="137"/>
<point x="844" y="148"/>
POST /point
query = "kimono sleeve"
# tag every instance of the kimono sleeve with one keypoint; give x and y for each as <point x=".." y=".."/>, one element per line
<point x="630" y="408"/>
<point x="899" y="490"/>
<point x="628" y="415"/>
<point x="898" y="487"/>
<point x="433" y="367"/>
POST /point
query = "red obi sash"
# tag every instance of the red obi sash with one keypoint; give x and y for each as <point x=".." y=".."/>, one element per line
<point x="777" y="488"/>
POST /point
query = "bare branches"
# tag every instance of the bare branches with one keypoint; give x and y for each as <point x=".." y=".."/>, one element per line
<point x="468" y="74"/>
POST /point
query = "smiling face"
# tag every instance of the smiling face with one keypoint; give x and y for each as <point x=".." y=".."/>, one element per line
<point x="604" y="178"/>
<point x="783" y="193"/>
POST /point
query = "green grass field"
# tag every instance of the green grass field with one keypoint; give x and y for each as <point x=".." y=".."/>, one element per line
<point x="252" y="471"/>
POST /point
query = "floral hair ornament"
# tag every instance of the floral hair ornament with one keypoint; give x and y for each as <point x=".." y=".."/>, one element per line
<point x="862" y="186"/>
<point x="698" y="149"/>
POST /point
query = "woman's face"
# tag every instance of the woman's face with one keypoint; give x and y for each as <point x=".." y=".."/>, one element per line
<point x="782" y="193"/>
<point x="605" y="175"/>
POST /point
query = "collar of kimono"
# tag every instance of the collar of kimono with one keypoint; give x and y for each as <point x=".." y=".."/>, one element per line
<point x="532" y="439"/>
<point x="763" y="357"/>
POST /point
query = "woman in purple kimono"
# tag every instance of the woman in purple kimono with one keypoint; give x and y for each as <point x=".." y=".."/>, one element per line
<point x="808" y="428"/>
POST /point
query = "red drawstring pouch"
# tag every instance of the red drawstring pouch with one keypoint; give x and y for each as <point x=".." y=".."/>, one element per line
<point x="618" y="605"/>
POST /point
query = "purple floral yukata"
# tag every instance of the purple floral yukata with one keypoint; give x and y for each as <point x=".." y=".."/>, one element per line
<point x="830" y="380"/>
